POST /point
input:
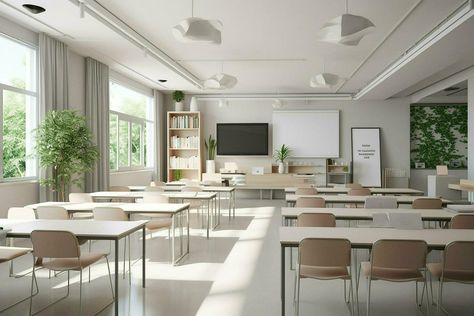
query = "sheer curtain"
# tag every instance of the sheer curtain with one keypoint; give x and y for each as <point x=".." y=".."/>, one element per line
<point x="97" y="115"/>
<point x="160" y="140"/>
<point x="53" y="88"/>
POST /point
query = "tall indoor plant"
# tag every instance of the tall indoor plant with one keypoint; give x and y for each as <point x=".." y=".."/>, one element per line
<point x="178" y="97"/>
<point x="64" y="144"/>
<point x="210" y="145"/>
<point x="281" y="154"/>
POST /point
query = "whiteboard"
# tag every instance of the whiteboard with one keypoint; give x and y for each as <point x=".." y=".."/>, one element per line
<point x="309" y="134"/>
<point x="366" y="164"/>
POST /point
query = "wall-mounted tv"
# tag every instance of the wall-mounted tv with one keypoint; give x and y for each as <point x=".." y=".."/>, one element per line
<point x="242" y="139"/>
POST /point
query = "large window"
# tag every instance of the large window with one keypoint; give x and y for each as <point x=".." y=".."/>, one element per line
<point x="131" y="129"/>
<point x="18" y="109"/>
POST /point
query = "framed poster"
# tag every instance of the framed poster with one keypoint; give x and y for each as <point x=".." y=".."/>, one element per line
<point x="366" y="156"/>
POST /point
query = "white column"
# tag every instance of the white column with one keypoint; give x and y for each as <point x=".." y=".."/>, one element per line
<point x="470" y="132"/>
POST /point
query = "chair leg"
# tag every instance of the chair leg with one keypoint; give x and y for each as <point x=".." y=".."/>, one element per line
<point x="427" y="297"/>
<point x="124" y="256"/>
<point x="368" y="295"/>
<point x="431" y="287"/>
<point x="294" y="289"/>
<point x="298" y="296"/>
<point x="129" y="261"/>
<point x="80" y="292"/>
<point x="351" y="294"/>
<point x="89" y="271"/>
<point x="416" y="293"/>
<point x="32" y="281"/>
<point x="440" y="294"/>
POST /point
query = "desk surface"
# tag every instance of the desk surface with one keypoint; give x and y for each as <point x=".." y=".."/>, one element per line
<point x="167" y="208"/>
<point x="366" y="237"/>
<point x="342" y="190"/>
<point x="110" y="230"/>
<point x="367" y="214"/>
<point x="401" y="199"/>
<point x="179" y="188"/>
<point x="137" y="195"/>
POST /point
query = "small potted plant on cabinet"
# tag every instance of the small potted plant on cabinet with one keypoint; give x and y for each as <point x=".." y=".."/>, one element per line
<point x="210" y="145"/>
<point x="280" y="156"/>
<point x="178" y="97"/>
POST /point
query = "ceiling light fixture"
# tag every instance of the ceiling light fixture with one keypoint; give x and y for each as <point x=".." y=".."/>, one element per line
<point x="198" y="30"/>
<point x="346" y="29"/>
<point x="162" y="80"/>
<point x="220" y="81"/>
<point x="33" y="8"/>
<point x="277" y="104"/>
<point x="82" y="9"/>
<point x="324" y="80"/>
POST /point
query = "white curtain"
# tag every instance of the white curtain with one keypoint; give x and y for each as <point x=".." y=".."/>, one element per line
<point x="97" y="115"/>
<point x="53" y="88"/>
<point x="160" y="140"/>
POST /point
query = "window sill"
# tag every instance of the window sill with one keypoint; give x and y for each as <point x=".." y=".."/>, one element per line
<point x="131" y="171"/>
<point x="18" y="182"/>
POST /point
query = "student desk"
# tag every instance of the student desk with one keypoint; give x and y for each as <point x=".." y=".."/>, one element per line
<point x="375" y="191"/>
<point x="364" y="238"/>
<point x="103" y="230"/>
<point x="177" y="212"/>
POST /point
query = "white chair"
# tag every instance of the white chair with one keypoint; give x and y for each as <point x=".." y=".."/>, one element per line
<point x="19" y="213"/>
<point x="81" y="198"/>
<point x="159" y="221"/>
<point x="380" y="220"/>
<point x="52" y="212"/>
<point x="154" y="189"/>
<point x="405" y="220"/>
<point x="157" y="184"/>
<point x="381" y="202"/>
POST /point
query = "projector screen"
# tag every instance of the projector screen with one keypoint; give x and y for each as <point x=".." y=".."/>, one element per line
<point x="309" y="134"/>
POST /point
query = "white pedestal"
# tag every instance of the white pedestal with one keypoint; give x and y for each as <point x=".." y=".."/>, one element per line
<point x="438" y="187"/>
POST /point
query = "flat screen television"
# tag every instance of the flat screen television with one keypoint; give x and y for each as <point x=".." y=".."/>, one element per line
<point x="242" y="139"/>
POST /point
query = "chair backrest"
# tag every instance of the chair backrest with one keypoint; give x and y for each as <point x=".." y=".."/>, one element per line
<point x="381" y="202"/>
<point x="310" y="202"/>
<point x="157" y="184"/>
<point x="316" y="220"/>
<point x="399" y="254"/>
<point x="190" y="182"/>
<point x="21" y="213"/>
<point x="325" y="252"/>
<point x="155" y="197"/>
<point x="359" y="192"/>
<point x="306" y="191"/>
<point x="459" y="255"/>
<point x="55" y="244"/>
<point x="212" y="177"/>
<point x="154" y="189"/>
<point x="462" y="221"/>
<point x="80" y="198"/>
<point x="191" y="189"/>
<point x="109" y="214"/>
<point x="427" y="203"/>
<point x="119" y="188"/>
<point x="354" y="185"/>
<point x="380" y="220"/>
<point x="405" y="220"/>
<point x="51" y="212"/>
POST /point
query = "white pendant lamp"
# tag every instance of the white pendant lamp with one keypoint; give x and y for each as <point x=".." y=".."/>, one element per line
<point x="324" y="80"/>
<point x="220" y="81"/>
<point x="277" y="104"/>
<point x="346" y="29"/>
<point x="198" y="30"/>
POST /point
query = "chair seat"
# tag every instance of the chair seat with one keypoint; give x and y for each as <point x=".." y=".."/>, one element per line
<point x="450" y="275"/>
<point x="158" y="224"/>
<point x="325" y="273"/>
<point x="64" y="264"/>
<point x="389" y="274"/>
<point x="82" y="215"/>
<point x="10" y="253"/>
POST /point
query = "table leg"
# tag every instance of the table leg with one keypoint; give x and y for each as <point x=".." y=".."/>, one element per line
<point x="233" y="202"/>
<point x="116" y="277"/>
<point x="143" y="256"/>
<point x="173" y="228"/>
<point x="187" y="222"/>
<point x="208" y="217"/>
<point x="282" y="280"/>
<point x="230" y="205"/>
<point x="218" y="206"/>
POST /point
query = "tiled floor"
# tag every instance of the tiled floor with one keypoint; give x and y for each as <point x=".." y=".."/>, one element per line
<point x="235" y="272"/>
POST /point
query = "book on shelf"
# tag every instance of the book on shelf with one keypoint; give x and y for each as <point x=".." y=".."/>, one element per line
<point x="184" y="162"/>
<point x="190" y="142"/>
<point x="184" y="121"/>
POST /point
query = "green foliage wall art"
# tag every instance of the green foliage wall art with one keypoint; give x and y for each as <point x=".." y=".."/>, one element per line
<point x="438" y="135"/>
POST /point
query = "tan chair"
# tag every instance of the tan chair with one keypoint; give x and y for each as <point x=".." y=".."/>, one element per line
<point x="457" y="266"/>
<point x="427" y="203"/>
<point x="462" y="221"/>
<point x="381" y="202"/>
<point x="396" y="261"/>
<point x="324" y="259"/>
<point x="52" y="212"/>
<point x="157" y="184"/>
<point x="8" y="254"/>
<point x="359" y="192"/>
<point x="19" y="213"/>
<point x="81" y="198"/>
<point x="306" y="191"/>
<point x="62" y="248"/>
<point x="115" y="214"/>
<point x="310" y="202"/>
<point x="316" y="220"/>
<point x="354" y="186"/>
<point x="121" y="188"/>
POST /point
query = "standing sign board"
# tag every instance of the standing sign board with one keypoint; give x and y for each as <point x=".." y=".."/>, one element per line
<point x="366" y="158"/>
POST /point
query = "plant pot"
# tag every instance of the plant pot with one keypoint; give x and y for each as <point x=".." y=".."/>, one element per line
<point x="210" y="166"/>
<point x="178" y="106"/>
<point x="193" y="105"/>
<point x="281" y="167"/>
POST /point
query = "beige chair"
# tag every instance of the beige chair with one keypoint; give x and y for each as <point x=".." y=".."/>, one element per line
<point x="359" y="192"/>
<point x="121" y="188"/>
<point x="52" y="212"/>
<point x="19" y="213"/>
<point x="81" y="198"/>
<point x="306" y="191"/>
<point x="115" y="214"/>
<point x="310" y="202"/>
<point x="457" y="266"/>
<point x="157" y="184"/>
<point x="316" y="220"/>
<point x="324" y="259"/>
<point x="154" y="189"/>
<point x="462" y="221"/>
<point x="381" y="202"/>
<point x="194" y="204"/>
<point x="396" y="261"/>
<point x="8" y="254"/>
<point x="354" y="186"/>
<point x="62" y="248"/>
<point x="159" y="221"/>
<point x="427" y="203"/>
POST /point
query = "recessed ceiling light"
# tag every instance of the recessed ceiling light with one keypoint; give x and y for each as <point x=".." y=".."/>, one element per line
<point x="162" y="80"/>
<point x="451" y="89"/>
<point x="35" y="9"/>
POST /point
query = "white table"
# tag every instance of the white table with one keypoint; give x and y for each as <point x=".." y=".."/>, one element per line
<point x="94" y="230"/>
<point x="344" y="213"/>
<point x="364" y="238"/>
<point x="375" y="191"/>
<point x="355" y="199"/>
<point x="177" y="211"/>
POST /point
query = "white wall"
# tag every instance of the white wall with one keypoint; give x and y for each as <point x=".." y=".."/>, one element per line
<point x="142" y="177"/>
<point x="419" y="177"/>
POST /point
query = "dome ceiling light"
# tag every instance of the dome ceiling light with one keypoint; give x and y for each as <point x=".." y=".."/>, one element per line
<point x="220" y="81"/>
<point x="324" y="80"/>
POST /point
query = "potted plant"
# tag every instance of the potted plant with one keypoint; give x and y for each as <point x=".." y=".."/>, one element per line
<point x="64" y="144"/>
<point x="280" y="156"/>
<point x="210" y="145"/>
<point x="178" y="97"/>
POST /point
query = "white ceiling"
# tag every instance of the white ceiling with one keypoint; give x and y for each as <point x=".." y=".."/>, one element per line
<point x="268" y="45"/>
